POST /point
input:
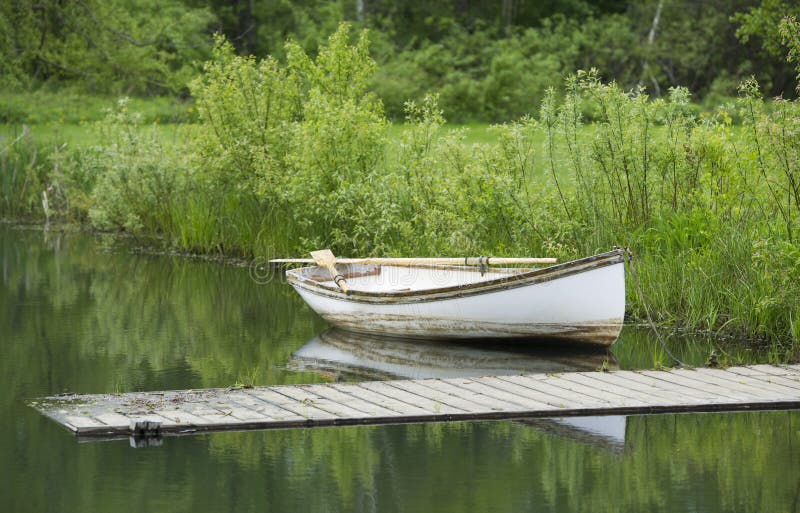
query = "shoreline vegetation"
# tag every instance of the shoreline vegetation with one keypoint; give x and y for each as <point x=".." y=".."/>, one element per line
<point x="283" y="156"/>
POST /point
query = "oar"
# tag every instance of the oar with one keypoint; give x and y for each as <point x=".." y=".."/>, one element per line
<point x="472" y="261"/>
<point x="324" y="258"/>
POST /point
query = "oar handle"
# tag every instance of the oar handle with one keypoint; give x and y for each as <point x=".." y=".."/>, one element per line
<point x="325" y="258"/>
<point x="470" y="261"/>
<point x="339" y="280"/>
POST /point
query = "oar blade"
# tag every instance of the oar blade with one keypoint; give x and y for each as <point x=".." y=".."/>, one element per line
<point x="324" y="257"/>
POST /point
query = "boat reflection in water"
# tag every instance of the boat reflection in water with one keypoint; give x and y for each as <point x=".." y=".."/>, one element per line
<point x="340" y="354"/>
<point x="607" y="432"/>
<point x="346" y="354"/>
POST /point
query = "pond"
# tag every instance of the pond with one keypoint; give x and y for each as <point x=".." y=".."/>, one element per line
<point x="79" y="316"/>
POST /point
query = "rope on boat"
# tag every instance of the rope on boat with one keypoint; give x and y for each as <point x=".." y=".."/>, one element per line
<point x="646" y="309"/>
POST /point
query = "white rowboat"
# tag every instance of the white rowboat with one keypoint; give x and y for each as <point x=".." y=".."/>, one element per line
<point x="582" y="300"/>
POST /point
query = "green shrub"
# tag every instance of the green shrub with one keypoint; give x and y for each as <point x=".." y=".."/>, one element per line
<point x="137" y="180"/>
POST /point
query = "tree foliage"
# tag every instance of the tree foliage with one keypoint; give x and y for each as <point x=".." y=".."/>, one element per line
<point x="487" y="60"/>
<point x="133" y="46"/>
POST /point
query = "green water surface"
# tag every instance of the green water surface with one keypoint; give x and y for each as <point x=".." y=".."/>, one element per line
<point x="77" y="317"/>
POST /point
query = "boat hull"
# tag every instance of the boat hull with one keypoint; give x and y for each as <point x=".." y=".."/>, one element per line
<point x="581" y="301"/>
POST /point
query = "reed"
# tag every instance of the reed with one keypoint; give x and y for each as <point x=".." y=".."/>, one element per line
<point x="31" y="182"/>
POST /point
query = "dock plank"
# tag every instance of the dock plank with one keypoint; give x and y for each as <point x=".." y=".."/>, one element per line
<point x="767" y="385"/>
<point x="80" y="422"/>
<point x="304" y="396"/>
<point x="404" y="396"/>
<point x="693" y="384"/>
<point x="427" y="400"/>
<point x="498" y="394"/>
<point x="217" y="417"/>
<point x="777" y="370"/>
<point x="305" y="410"/>
<point x="423" y="389"/>
<point x="571" y="389"/>
<point x="113" y="419"/>
<point x="263" y="407"/>
<point x="475" y="394"/>
<point x="746" y="371"/>
<point x="150" y="416"/>
<point x="681" y="392"/>
<point x="527" y="393"/>
<point x="747" y="391"/>
<point x="184" y="418"/>
<point x="544" y="387"/>
<point x="399" y="407"/>
<point x="785" y="381"/>
<point x="666" y="395"/>
<point x="600" y="382"/>
<point x="332" y="394"/>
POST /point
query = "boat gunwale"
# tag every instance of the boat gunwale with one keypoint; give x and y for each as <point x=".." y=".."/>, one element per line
<point x="505" y="282"/>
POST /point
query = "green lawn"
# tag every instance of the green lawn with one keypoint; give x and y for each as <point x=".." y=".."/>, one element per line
<point x="74" y="108"/>
<point x="82" y="134"/>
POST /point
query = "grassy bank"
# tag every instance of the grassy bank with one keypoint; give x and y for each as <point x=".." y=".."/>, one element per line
<point x="284" y="159"/>
<point x="697" y="273"/>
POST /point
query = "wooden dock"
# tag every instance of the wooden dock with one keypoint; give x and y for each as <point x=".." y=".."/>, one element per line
<point x="756" y="387"/>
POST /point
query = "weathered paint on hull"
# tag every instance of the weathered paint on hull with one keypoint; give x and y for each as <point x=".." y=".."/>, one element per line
<point x="400" y="326"/>
<point x="585" y="303"/>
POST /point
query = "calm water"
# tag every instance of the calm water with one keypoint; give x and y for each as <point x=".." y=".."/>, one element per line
<point x="75" y="317"/>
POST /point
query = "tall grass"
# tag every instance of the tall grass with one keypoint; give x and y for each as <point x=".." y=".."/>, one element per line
<point x="710" y="209"/>
<point x="29" y="179"/>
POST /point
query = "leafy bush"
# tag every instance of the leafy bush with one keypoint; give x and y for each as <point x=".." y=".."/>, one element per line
<point x="137" y="180"/>
<point x="308" y="141"/>
<point x="293" y="136"/>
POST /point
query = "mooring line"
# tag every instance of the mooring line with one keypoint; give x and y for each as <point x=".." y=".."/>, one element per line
<point x="647" y="310"/>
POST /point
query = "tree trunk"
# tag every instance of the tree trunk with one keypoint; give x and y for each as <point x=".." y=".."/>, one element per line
<point x="506" y="14"/>
<point x="246" y="32"/>
<point x="651" y="36"/>
<point x="360" y="10"/>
